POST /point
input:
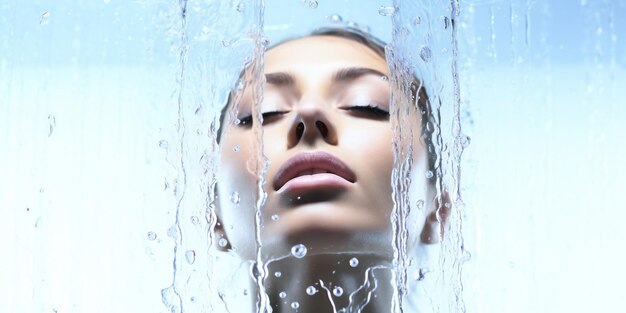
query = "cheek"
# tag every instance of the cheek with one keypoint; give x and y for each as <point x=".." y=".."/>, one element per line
<point x="236" y="188"/>
<point x="373" y="153"/>
<point x="373" y="148"/>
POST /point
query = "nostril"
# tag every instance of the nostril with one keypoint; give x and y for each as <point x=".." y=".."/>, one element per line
<point x="323" y="128"/>
<point x="299" y="130"/>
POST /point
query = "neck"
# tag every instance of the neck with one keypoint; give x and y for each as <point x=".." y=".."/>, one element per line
<point x="337" y="284"/>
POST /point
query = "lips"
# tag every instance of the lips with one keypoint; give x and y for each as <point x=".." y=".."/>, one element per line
<point x="312" y="163"/>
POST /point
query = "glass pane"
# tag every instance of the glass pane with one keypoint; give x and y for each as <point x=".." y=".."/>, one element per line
<point x="431" y="156"/>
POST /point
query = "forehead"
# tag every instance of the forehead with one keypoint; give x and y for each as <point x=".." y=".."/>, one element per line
<point x="322" y="52"/>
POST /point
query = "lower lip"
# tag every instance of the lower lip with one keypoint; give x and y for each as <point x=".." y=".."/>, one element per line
<point x="315" y="181"/>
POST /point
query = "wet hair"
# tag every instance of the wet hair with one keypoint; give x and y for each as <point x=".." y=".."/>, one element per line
<point x="417" y="90"/>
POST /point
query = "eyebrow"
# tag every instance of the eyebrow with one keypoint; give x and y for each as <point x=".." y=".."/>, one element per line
<point x="342" y="75"/>
<point x="280" y="79"/>
<point x="352" y="73"/>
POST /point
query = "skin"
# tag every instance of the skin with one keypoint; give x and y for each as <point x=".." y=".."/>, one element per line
<point x="308" y="108"/>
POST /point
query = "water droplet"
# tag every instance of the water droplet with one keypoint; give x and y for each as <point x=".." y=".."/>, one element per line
<point x="195" y="220"/>
<point x="425" y="53"/>
<point x="240" y="7"/>
<point x="172" y="232"/>
<point x="383" y="78"/>
<point x="190" y="256"/>
<point x="354" y="262"/>
<point x="236" y="121"/>
<point x="278" y="274"/>
<point x="263" y="41"/>
<point x="295" y="305"/>
<point x="337" y="291"/>
<point x="313" y="4"/>
<point x="299" y="251"/>
<point x="240" y="84"/>
<point x="44" y="18"/>
<point x="226" y="43"/>
<point x="417" y="20"/>
<point x="245" y="292"/>
<point x="282" y="294"/>
<point x="234" y="197"/>
<point x="275" y="217"/>
<point x="445" y="21"/>
<point x="336" y="19"/>
<point x="52" y="123"/>
<point x="311" y="290"/>
<point x="386" y="10"/>
<point x="151" y="236"/>
<point x="465" y="141"/>
<point x="421" y="274"/>
<point x="429" y="174"/>
<point x="163" y="144"/>
<point x="222" y="242"/>
<point x="237" y="148"/>
<point x="192" y="299"/>
<point x="420" y="204"/>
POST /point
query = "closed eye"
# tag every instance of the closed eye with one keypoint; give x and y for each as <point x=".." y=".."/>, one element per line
<point x="370" y="111"/>
<point x="267" y="117"/>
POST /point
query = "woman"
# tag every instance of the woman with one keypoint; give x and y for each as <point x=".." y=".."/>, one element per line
<point x="326" y="222"/>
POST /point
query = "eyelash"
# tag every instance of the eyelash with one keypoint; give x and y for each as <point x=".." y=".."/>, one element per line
<point x="365" y="109"/>
<point x="247" y="120"/>
<point x="370" y="110"/>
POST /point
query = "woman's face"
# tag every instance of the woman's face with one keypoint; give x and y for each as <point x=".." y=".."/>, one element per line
<point x="327" y="135"/>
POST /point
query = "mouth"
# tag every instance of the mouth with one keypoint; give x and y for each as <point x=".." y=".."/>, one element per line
<point x="311" y="170"/>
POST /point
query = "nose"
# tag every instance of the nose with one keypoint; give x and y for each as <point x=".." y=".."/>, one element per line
<point x="310" y="125"/>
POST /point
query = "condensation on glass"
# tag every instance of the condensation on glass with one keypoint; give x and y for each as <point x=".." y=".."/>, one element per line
<point x="110" y="111"/>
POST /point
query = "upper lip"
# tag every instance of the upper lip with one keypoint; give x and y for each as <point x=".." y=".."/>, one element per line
<point x="311" y="161"/>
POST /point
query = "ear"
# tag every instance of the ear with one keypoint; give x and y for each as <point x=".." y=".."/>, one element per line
<point x="434" y="225"/>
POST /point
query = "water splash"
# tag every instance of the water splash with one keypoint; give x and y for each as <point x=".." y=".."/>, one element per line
<point x="439" y="76"/>
<point x="256" y="75"/>
<point x="170" y="296"/>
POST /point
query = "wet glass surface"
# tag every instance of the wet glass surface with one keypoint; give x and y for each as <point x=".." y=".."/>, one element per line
<point x="114" y="141"/>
